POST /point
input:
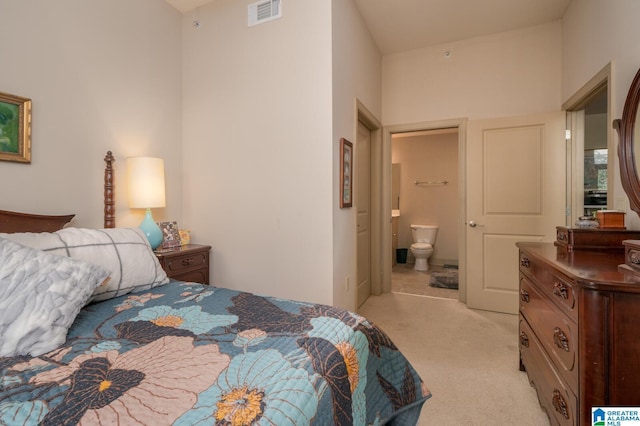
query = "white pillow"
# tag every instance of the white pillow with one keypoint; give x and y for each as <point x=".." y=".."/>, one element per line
<point x="125" y="252"/>
<point x="40" y="297"/>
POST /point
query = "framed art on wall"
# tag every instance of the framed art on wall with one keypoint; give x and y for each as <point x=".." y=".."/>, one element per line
<point x="15" y="128"/>
<point x="346" y="173"/>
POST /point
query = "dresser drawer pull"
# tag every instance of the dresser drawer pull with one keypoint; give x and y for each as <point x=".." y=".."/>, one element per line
<point x="187" y="262"/>
<point x="560" y="339"/>
<point x="562" y="236"/>
<point x="560" y="404"/>
<point x="634" y="257"/>
<point x="524" y="296"/>
<point x="560" y="290"/>
<point x="524" y="339"/>
<point x="525" y="262"/>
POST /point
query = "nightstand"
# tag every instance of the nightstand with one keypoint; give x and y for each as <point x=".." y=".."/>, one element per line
<point x="186" y="263"/>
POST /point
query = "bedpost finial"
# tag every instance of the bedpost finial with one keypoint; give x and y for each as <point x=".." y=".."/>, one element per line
<point x="109" y="158"/>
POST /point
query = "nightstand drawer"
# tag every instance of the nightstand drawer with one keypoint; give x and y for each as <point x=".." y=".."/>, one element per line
<point x="187" y="263"/>
<point x="199" y="276"/>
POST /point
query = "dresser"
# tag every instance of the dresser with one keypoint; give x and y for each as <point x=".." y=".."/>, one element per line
<point x="186" y="263"/>
<point x="579" y="330"/>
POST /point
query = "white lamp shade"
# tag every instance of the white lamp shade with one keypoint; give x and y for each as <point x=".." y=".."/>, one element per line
<point x="145" y="180"/>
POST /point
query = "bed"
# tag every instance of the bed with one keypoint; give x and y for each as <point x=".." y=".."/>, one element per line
<point x="93" y="332"/>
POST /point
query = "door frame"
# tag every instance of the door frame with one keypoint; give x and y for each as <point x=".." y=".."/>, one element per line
<point x="377" y="242"/>
<point x="575" y="159"/>
<point x="388" y="131"/>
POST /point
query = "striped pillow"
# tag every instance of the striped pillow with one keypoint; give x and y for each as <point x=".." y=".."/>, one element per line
<point x="125" y="252"/>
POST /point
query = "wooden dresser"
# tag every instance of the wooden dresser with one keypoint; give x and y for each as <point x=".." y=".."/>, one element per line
<point x="579" y="330"/>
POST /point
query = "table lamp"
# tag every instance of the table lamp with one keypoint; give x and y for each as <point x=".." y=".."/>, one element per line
<point x="145" y="179"/>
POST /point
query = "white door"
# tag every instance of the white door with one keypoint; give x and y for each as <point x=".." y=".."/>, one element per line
<point x="515" y="192"/>
<point x="362" y="168"/>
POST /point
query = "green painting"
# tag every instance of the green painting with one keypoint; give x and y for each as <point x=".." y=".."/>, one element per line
<point x="15" y="128"/>
<point x="9" y="128"/>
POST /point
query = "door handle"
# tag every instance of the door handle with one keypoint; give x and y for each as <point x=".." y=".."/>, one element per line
<point x="472" y="224"/>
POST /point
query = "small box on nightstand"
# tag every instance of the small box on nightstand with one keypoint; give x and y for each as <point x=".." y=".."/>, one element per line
<point x="610" y="219"/>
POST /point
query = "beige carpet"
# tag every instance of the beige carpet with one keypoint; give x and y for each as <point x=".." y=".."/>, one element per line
<point x="405" y="279"/>
<point x="467" y="358"/>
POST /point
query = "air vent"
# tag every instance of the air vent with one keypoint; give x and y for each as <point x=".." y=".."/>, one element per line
<point x="264" y="11"/>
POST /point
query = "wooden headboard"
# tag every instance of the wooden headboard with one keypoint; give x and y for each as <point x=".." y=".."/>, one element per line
<point x="11" y="222"/>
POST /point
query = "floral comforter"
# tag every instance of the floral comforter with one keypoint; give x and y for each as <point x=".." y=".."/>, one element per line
<point x="188" y="354"/>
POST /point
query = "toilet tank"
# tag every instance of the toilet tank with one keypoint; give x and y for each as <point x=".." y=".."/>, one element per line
<point x="424" y="233"/>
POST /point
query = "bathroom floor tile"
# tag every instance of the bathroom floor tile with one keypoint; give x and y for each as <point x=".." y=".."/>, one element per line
<point x="405" y="279"/>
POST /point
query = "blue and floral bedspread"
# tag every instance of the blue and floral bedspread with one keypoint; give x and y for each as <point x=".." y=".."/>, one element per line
<point x="188" y="354"/>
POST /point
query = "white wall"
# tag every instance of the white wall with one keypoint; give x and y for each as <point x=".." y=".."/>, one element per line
<point x="507" y="74"/>
<point x="258" y="156"/>
<point x="429" y="158"/>
<point x="595" y="33"/>
<point x="357" y="73"/>
<point x="102" y="75"/>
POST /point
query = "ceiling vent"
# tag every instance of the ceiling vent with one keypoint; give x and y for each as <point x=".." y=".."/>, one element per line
<point x="264" y="11"/>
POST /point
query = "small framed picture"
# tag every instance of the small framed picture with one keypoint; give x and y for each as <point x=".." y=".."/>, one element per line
<point x="185" y="236"/>
<point x="170" y="235"/>
<point x="346" y="173"/>
<point x="15" y="128"/>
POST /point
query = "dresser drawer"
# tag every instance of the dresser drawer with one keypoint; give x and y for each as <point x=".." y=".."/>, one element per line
<point x="555" y="397"/>
<point x="559" y="288"/>
<point x="556" y="332"/>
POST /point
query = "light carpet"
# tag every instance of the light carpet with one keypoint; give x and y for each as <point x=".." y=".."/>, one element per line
<point x="467" y="358"/>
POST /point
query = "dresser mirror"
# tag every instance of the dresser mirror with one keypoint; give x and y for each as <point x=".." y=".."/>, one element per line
<point x="629" y="139"/>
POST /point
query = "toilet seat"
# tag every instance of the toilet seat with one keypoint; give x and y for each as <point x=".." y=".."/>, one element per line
<point x="421" y="246"/>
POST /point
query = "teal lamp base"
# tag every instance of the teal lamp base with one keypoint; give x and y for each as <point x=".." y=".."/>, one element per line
<point x="151" y="230"/>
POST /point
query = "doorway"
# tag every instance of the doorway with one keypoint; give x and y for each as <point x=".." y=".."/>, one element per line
<point x="425" y="192"/>
<point x="590" y="149"/>
<point x="458" y="128"/>
<point x="368" y="190"/>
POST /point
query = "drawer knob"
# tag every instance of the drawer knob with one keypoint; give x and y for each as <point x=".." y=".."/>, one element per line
<point x="562" y="236"/>
<point x="560" y="290"/>
<point x="524" y="262"/>
<point x="524" y="295"/>
<point x="524" y="339"/>
<point x="560" y="404"/>
<point x="560" y="339"/>
<point x="187" y="262"/>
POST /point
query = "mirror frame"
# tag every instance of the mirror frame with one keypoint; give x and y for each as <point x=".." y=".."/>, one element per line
<point x="626" y="152"/>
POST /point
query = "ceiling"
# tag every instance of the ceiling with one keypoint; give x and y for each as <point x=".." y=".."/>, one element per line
<point x="400" y="25"/>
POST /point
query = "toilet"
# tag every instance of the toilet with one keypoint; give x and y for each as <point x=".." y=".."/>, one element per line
<point x="424" y="237"/>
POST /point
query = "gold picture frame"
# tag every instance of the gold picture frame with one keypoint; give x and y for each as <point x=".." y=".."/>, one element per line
<point x="15" y="128"/>
<point x="346" y="173"/>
